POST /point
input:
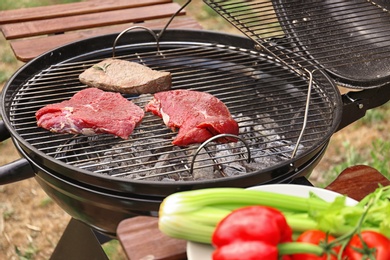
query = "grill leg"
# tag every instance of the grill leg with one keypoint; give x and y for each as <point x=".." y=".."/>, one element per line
<point x="79" y="242"/>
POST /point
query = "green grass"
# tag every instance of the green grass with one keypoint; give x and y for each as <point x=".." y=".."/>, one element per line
<point x="376" y="116"/>
<point x="46" y="202"/>
<point x="380" y="156"/>
<point x="207" y="17"/>
<point x="376" y="155"/>
<point x="27" y="254"/>
<point x="349" y="157"/>
<point x="3" y="77"/>
<point x="12" y="4"/>
<point x="8" y="214"/>
<point x="112" y="248"/>
<point x="8" y="63"/>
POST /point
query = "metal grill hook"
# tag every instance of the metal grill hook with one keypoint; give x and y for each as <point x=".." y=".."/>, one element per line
<point x="156" y="36"/>
<point x="133" y="28"/>
<point x="214" y="138"/>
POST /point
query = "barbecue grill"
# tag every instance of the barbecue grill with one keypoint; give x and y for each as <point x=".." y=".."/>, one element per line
<point x="266" y="99"/>
<point x="279" y="82"/>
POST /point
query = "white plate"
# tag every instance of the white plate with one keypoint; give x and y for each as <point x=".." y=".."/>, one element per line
<point x="199" y="251"/>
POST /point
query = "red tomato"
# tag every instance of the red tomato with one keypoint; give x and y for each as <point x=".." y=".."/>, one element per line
<point x="315" y="237"/>
<point x="375" y="242"/>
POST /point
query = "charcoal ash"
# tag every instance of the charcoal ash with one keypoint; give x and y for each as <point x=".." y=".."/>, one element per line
<point x="266" y="148"/>
<point x="149" y="155"/>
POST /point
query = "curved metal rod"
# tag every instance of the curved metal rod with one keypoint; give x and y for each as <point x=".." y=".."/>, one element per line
<point x="172" y="17"/>
<point x="132" y="28"/>
<point x="212" y="139"/>
<point x="156" y="36"/>
<point x="306" y="112"/>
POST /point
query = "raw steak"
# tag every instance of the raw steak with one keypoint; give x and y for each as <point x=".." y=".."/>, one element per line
<point x="126" y="77"/>
<point x="91" y="111"/>
<point x="198" y="115"/>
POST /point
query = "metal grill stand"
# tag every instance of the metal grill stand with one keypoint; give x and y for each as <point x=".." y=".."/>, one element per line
<point x="79" y="241"/>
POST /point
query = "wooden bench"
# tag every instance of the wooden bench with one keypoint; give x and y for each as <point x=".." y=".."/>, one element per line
<point x="141" y="238"/>
<point x="36" y="30"/>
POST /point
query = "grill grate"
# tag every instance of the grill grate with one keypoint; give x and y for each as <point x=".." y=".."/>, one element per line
<point x="347" y="38"/>
<point x="265" y="97"/>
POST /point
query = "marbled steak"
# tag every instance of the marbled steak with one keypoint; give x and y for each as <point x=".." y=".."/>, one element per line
<point x="91" y="111"/>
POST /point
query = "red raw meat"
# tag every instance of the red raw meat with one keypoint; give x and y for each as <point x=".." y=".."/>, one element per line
<point x="198" y="115"/>
<point x="91" y="111"/>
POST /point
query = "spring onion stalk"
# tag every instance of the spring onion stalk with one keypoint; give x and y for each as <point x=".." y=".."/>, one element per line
<point x="193" y="215"/>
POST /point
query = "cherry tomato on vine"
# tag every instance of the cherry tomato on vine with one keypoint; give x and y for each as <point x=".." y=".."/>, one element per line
<point x="316" y="237"/>
<point x="377" y="246"/>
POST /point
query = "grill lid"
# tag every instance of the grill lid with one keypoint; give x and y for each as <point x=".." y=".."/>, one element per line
<point x="265" y="97"/>
<point x="349" y="39"/>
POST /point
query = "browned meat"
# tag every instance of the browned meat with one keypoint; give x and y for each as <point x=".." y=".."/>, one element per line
<point x="91" y="111"/>
<point x="198" y="115"/>
<point x="126" y="77"/>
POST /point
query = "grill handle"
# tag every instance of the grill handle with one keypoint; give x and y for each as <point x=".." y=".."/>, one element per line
<point x="355" y="104"/>
<point x="4" y="133"/>
<point x="15" y="171"/>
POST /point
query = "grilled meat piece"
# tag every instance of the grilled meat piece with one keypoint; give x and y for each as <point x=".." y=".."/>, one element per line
<point x="91" y="111"/>
<point x="198" y="115"/>
<point x="126" y="77"/>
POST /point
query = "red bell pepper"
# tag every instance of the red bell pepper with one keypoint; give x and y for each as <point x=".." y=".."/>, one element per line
<point x="368" y="245"/>
<point x="251" y="232"/>
<point x="248" y="250"/>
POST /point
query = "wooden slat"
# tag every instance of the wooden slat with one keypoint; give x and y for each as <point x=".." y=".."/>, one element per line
<point x="64" y="24"/>
<point x="62" y="10"/>
<point x="24" y="52"/>
<point x="33" y="31"/>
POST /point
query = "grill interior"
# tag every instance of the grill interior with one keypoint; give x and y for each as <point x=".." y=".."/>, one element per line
<point x="265" y="97"/>
<point x="347" y="38"/>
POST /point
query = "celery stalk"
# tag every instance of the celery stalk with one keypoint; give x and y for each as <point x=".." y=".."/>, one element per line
<point x="193" y="215"/>
<point x="183" y="228"/>
<point x="190" y="200"/>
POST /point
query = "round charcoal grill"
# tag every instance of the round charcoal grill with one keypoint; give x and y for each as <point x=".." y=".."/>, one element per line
<point x="267" y="99"/>
<point x="285" y="118"/>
